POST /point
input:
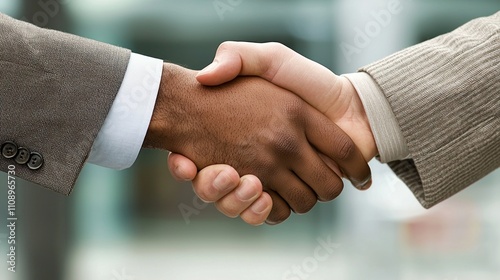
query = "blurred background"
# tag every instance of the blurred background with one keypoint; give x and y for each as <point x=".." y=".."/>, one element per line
<point x="140" y="224"/>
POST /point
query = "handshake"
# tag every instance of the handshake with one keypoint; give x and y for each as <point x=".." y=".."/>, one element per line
<point x="262" y="131"/>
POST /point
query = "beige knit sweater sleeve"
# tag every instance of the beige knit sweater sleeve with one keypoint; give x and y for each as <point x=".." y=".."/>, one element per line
<point x="445" y="94"/>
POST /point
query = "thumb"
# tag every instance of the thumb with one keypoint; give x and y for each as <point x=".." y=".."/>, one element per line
<point x="181" y="167"/>
<point x="225" y="67"/>
<point x="277" y="64"/>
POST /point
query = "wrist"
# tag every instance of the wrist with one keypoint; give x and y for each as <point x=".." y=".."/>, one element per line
<point x="363" y="135"/>
<point x="162" y="133"/>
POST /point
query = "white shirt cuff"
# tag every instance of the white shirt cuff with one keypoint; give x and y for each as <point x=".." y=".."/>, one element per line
<point x="389" y="139"/>
<point x="121" y="137"/>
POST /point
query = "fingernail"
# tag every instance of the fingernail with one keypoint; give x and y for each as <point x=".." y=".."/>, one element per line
<point x="363" y="185"/>
<point x="222" y="181"/>
<point x="259" y="206"/>
<point x="245" y="192"/>
<point x="271" y="223"/>
<point x="209" y="68"/>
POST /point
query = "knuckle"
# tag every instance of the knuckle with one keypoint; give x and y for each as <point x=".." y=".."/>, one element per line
<point x="253" y="180"/>
<point x="261" y="166"/>
<point x="231" y="213"/>
<point x="274" y="57"/>
<point x="227" y="210"/>
<point x="275" y="47"/>
<point x="279" y="139"/>
<point x="233" y="178"/>
<point x="225" y="45"/>
<point x="296" y="111"/>
<point x="286" y="144"/>
<point x="278" y="216"/>
<point x="295" y="107"/>
<point x="252" y="183"/>
<point x="331" y="191"/>
<point x="326" y="184"/>
<point x="204" y="193"/>
<point x="305" y="206"/>
<point x="346" y="148"/>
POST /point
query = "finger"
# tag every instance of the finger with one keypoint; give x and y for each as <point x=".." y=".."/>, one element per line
<point x="280" y="210"/>
<point x="181" y="168"/>
<point x="333" y="142"/>
<point x="258" y="212"/>
<point x="276" y="63"/>
<point x="322" y="179"/>
<point x="225" y="67"/>
<point x="214" y="182"/>
<point x="299" y="196"/>
<point x="231" y="60"/>
<point x="235" y="202"/>
<point x="244" y="59"/>
<point x="332" y="165"/>
<point x="234" y="59"/>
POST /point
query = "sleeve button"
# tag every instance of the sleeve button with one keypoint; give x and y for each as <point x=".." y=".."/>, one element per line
<point x="23" y="156"/>
<point x="35" y="162"/>
<point x="9" y="149"/>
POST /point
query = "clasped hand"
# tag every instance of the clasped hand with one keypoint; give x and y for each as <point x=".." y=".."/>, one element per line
<point x="291" y="132"/>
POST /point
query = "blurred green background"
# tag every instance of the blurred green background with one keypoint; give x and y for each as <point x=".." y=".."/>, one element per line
<point x="140" y="224"/>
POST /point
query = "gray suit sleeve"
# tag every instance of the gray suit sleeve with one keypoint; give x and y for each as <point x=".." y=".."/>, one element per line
<point x="55" y="92"/>
<point x="445" y="94"/>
